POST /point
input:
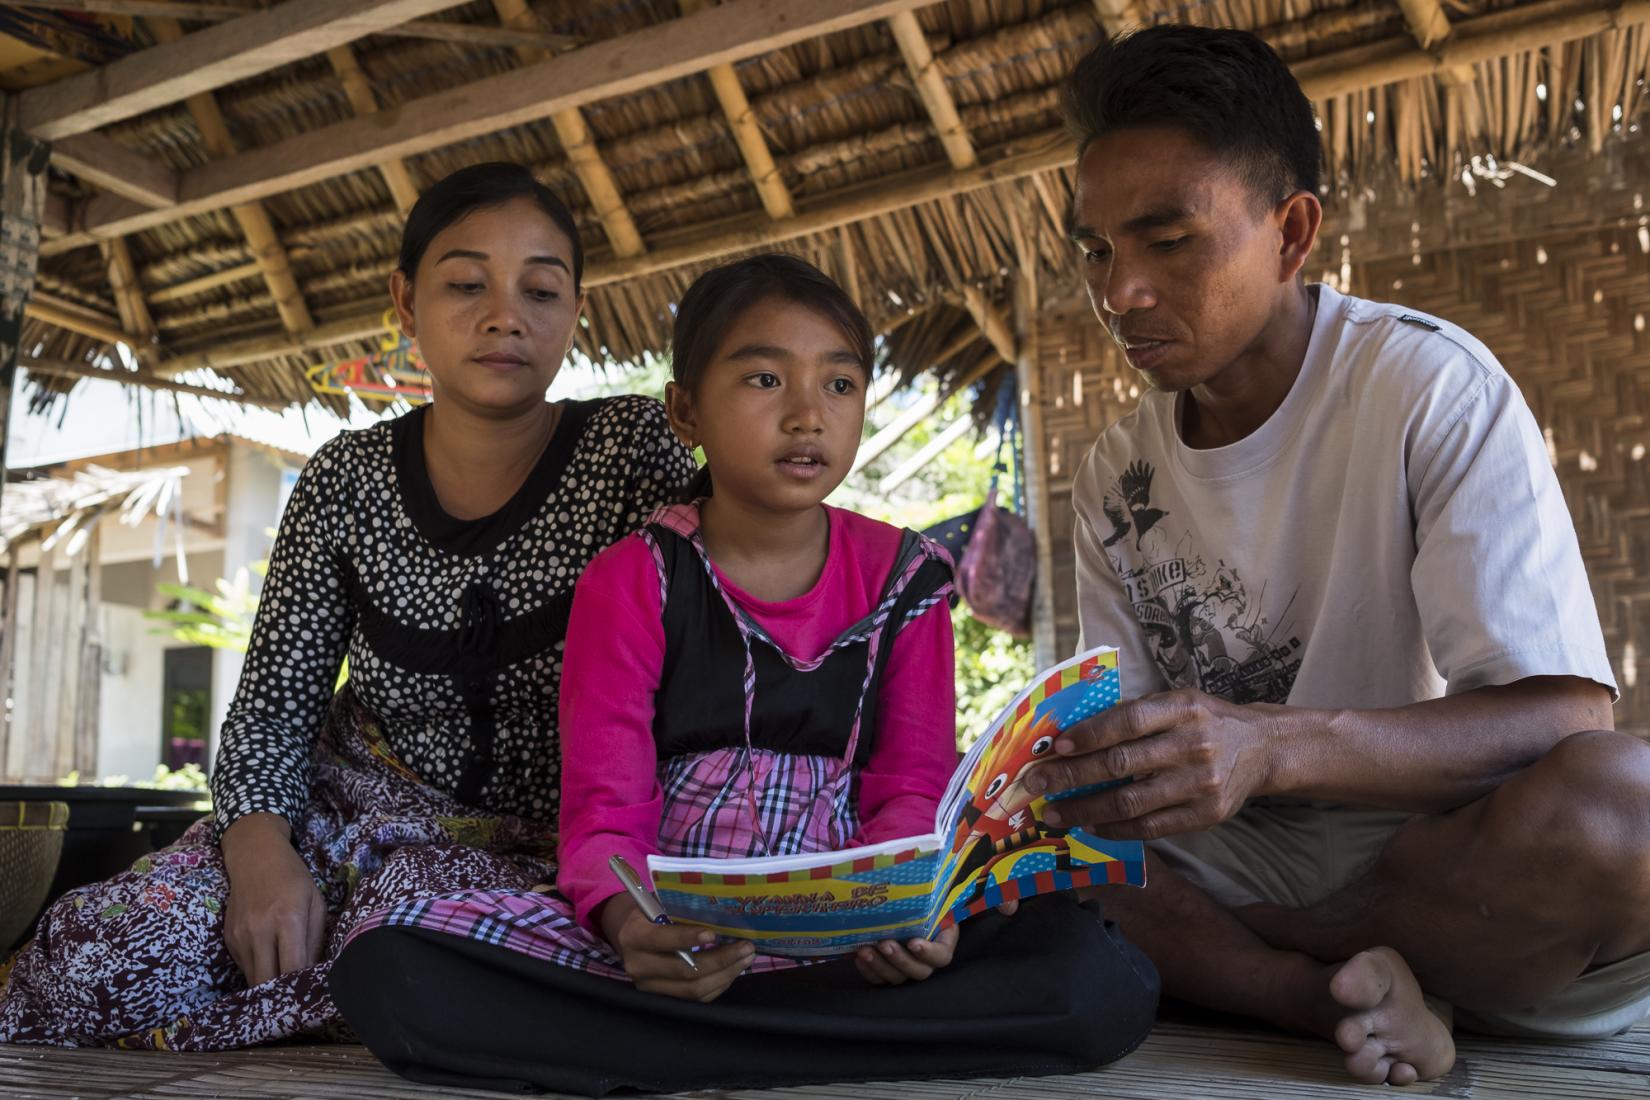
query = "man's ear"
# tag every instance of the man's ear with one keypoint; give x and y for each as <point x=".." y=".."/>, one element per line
<point x="683" y="416"/>
<point x="401" y="293"/>
<point x="1299" y="218"/>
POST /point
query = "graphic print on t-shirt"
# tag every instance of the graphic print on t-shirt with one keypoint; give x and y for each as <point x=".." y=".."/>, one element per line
<point x="1205" y="629"/>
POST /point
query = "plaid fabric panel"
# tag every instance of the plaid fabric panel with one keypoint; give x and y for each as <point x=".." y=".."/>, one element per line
<point x="801" y="804"/>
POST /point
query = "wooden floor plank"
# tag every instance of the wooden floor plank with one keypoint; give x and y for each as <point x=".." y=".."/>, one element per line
<point x="1180" y="1060"/>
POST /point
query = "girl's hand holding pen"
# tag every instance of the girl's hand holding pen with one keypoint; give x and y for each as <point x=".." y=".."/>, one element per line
<point x="650" y="956"/>
<point x="892" y="963"/>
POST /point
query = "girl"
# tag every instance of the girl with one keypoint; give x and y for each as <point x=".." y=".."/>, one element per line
<point x="438" y="551"/>
<point x="776" y="674"/>
<point x="752" y="672"/>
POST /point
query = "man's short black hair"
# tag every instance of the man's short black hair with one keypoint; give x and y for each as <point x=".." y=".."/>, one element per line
<point x="1226" y="88"/>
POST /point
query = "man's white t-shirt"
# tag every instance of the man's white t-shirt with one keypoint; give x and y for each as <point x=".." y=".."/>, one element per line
<point x="1394" y="532"/>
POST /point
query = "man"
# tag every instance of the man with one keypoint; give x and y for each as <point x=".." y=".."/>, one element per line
<point x="1348" y="595"/>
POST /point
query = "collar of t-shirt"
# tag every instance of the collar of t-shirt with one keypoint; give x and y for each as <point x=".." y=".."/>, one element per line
<point x="1270" y="439"/>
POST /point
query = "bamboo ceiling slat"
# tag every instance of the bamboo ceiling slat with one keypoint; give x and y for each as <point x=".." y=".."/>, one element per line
<point x="841" y="115"/>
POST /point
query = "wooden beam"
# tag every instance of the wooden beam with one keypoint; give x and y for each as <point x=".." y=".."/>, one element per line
<point x="226" y="356"/>
<point x="1427" y="21"/>
<point x="617" y="66"/>
<point x="936" y="97"/>
<point x="1048" y="150"/>
<point x="180" y="291"/>
<point x="141" y="379"/>
<point x="1036" y="153"/>
<point x="1430" y="27"/>
<point x="210" y="58"/>
<point x="992" y="324"/>
<point x="475" y="34"/>
<point x="134" y="313"/>
<point x="747" y="133"/>
<point x="937" y="446"/>
<point x="1117" y="16"/>
<point x="175" y="9"/>
<point x="104" y="162"/>
<point x="603" y="191"/>
<point x="363" y="101"/>
<point x="753" y="146"/>
<point x="1360" y="68"/>
<point x="580" y="146"/>
<point x="468" y="33"/>
<point x="267" y="250"/>
<point x="65" y="315"/>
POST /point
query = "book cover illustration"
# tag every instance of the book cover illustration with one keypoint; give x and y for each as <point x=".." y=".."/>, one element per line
<point x="989" y="846"/>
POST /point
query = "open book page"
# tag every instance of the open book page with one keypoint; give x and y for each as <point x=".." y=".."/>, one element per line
<point x="989" y="846"/>
<point x="999" y="847"/>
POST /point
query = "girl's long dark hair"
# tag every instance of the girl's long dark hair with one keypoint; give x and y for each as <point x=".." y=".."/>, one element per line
<point x="718" y="297"/>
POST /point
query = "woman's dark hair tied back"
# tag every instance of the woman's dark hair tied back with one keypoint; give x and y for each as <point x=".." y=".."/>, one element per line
<point x="479" y="187"/>
<point x="1227" y="88"/>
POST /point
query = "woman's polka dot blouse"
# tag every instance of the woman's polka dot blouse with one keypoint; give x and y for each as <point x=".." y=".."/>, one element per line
<point x="454" y="629"/>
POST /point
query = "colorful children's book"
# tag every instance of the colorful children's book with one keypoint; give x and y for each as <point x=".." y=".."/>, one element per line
<point x="989" y="846"/>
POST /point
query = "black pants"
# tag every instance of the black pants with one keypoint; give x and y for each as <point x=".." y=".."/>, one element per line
<point x="1055" y="989"/>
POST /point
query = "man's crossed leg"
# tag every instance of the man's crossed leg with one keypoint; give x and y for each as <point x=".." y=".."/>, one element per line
<point x="1526" y="911"/>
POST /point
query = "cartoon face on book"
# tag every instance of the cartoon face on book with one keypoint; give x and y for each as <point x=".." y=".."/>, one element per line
<point x="1000" y="839"/>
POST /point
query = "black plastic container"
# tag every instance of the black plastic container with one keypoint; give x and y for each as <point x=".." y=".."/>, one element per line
<point x="110" y="827"/>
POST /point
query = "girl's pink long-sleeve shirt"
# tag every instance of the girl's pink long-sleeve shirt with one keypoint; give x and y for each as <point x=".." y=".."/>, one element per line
<point x="611" y="800"/>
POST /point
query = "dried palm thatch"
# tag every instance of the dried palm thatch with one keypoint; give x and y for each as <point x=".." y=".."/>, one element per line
<point x="901" y="218"/>
<point x="62" y="510"/>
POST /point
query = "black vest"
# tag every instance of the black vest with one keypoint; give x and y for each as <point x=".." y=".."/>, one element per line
<point x="700" y="705"/>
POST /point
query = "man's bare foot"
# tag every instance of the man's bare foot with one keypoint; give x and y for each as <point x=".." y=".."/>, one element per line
<point x="1390" y="1035"/>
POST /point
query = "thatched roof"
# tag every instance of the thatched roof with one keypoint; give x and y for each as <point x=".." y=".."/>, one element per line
<point x="911" y="149"/>
<point x="63" y="509"/>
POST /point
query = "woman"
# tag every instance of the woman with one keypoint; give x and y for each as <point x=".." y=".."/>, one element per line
<point x="438" y="552"/>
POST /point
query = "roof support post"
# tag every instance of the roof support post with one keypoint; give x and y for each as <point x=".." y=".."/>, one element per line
<point x="22" y="206"/>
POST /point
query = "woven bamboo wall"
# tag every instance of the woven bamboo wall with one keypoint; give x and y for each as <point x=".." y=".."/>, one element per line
<point x="1561" y="295"/>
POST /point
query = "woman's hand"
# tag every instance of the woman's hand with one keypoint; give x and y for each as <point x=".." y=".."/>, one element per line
<point x="649" y="953"/>
<point x="894" y="963"/>
<point x="276" y="921"/>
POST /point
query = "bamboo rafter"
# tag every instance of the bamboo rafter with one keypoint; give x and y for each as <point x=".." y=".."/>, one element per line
<point x="259" y="231"/>
<point x="581" y="147"/>
<point x="403" y="191"/>
<point x="747" y="133"/>
<point x="222" y="54"/>
<point x="936" y="99"/>
<point x="134" y="312"/>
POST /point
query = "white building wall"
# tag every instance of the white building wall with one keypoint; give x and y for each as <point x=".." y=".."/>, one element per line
<point x="129" y="728"/>
<point x="259" y="484"/>
<point x="129" y="725"/>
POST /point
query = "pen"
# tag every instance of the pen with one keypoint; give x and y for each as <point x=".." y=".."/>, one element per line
<point x="644" y="899"/>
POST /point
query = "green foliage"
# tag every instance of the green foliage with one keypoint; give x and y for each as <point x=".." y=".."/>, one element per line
<point x="187" y="778"/>
<point x="221" y="619"/>
<point x="992" y="666"/>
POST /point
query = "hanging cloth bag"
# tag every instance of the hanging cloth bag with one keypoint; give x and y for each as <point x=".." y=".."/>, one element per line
<point x="999" y="557"/>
